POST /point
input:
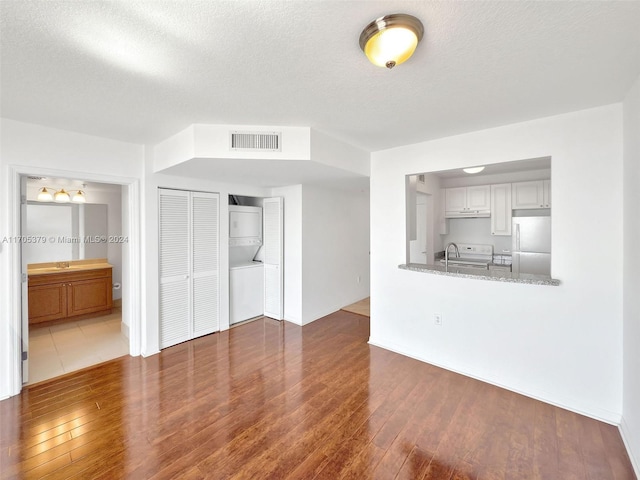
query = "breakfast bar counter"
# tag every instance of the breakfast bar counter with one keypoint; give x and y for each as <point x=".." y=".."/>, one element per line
<point x="481" y="274"/>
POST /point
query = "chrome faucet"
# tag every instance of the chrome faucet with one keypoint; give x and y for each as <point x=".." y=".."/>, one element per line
<point x="446" y="254"/>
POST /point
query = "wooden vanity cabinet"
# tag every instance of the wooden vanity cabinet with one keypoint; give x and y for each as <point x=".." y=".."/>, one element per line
<point x="69" y="294"/>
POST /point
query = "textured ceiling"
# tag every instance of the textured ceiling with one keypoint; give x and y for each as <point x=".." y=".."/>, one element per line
<point x="142" y="71"/>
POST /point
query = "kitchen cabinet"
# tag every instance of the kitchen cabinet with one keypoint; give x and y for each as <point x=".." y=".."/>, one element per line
<point x="546" y="194"/>
<point x="468" y="201"/>
<point x="501" y="209"/>
<point x="534" y="194"/>
<point x="68" y="294"/>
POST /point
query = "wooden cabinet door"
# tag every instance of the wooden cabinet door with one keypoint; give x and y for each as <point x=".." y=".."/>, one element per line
<point x="47" y="302"/>
<point x="89" y="296"/>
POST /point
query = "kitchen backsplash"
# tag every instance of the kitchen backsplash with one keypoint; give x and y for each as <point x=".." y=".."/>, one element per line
<point x="477" y="231"/>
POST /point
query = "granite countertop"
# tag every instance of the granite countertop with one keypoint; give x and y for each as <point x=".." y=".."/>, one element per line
<point x="480" y="274"/>
<point x="47" y="268"/>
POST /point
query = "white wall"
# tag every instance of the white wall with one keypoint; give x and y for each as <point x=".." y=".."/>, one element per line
<point x="292" y="196"/>
<point x="335" y="249"/>
<point x="49" y="152"/>
<point x="561" y="344"/>
<point x="335" y="153"/>
<point x="631" y="304"/>
<point x="212" y="141"/>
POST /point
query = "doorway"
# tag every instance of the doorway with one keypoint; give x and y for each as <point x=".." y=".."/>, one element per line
<point x="17" y="345"/>
<point x="74" y="275"/>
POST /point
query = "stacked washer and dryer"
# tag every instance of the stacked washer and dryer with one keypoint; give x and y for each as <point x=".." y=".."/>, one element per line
<point x="246" y="270"/>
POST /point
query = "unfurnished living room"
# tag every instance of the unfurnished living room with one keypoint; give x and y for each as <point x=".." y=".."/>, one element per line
<point x="290" y="239"/>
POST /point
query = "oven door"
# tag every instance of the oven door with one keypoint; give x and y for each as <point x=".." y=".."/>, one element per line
<point x="474" y="265"/>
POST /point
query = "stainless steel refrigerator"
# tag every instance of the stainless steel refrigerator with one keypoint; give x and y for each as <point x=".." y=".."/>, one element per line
<point x="531" y="245"/>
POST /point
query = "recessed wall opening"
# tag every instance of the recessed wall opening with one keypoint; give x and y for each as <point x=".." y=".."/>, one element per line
<point x="256" y="252"/>
<point x="504" y="209"/>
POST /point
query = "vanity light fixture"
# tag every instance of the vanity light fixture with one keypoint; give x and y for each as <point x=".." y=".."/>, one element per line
<point x="473" y="169"/>
<point x="44" y="195"/>
<point x="390" y="40"/>
<point x="61" y="196"/>
<point x="79" y="197"/>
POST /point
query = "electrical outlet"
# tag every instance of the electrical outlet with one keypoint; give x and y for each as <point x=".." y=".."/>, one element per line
<point x="437" y="319"/>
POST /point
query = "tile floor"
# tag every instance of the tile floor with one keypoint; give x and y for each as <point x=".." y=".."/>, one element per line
<point x="70" y="346"/>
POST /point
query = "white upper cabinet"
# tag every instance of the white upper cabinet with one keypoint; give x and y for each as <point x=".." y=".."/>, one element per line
<point x="535" y="194"/>
<point x="547" y="193"/>
<point x="479" y="198"/>
<point x="468" y="201"/>
<point x="501" y="209"/>
<point x="455" y="200"/>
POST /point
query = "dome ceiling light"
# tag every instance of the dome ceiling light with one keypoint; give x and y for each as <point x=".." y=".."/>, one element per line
<point x="473" y="170"/>
<point x="390" y="40"/>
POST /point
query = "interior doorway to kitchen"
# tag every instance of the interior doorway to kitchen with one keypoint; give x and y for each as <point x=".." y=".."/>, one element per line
<point x="419" y="246"/>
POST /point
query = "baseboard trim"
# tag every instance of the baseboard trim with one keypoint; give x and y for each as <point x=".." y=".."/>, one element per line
<point x="597" y="414"/>
<point x="124" y="329"/>
<point x="321" y="315"/>
<point x="624" y="433"/>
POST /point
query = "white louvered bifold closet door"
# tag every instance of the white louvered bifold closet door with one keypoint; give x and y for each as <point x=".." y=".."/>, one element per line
<point x="206" y="263"/>
<point x="189" y="265"/>
<point x="272" y="218"/>
<point x="174" y="267"/>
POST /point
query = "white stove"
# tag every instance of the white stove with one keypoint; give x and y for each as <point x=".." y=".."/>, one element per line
<point x="471" y="256"/>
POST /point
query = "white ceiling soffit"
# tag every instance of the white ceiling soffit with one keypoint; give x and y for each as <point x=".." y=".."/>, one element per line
<point x="139" y="71"/>
<point x="526" y="165"/>
<point x="267" y="173"/>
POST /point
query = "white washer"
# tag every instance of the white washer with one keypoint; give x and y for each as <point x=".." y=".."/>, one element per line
<point x="246" y="286"/>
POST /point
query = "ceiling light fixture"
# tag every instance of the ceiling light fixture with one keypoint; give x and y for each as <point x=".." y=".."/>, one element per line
<point x="473" y="169"/>
<point x="390" y="40"/>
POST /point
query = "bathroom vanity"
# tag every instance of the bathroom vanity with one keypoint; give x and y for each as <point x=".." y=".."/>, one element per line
<point x="68" y="290"/>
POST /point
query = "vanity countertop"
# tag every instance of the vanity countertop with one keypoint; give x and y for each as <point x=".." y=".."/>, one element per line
<point x="480" y="274"/>
<point x="47" y="268"/>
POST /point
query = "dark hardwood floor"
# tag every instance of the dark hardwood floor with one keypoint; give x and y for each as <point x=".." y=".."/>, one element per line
<point x="273" y="400"/>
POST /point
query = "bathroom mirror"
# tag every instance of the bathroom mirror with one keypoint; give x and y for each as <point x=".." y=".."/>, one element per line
<point x="65" y="232"/>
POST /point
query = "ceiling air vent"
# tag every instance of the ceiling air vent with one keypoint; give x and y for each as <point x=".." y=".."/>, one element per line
<point x="256" y="141"/>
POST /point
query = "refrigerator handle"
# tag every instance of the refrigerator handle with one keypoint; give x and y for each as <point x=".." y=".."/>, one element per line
<point x="517" y="237"/>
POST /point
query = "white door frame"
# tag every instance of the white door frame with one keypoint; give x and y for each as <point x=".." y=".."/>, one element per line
<point x="131" y="267"/>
